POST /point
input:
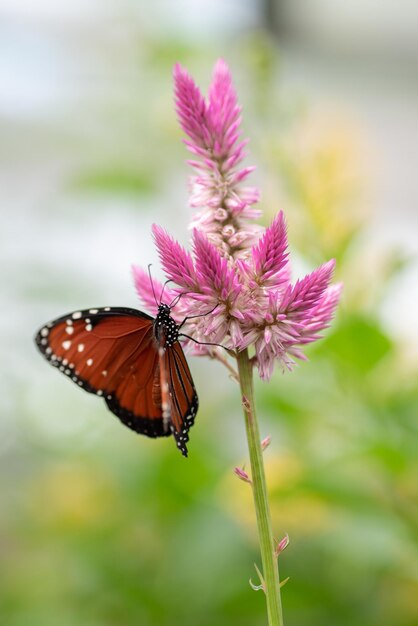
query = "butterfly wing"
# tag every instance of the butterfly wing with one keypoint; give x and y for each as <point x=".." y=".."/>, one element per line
<point x="179" y="394"/>
<point x="112" y="353"/>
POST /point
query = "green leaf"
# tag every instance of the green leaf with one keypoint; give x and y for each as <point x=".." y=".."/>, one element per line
<point x="117" y="180"/>
<point x="358" y="342"/>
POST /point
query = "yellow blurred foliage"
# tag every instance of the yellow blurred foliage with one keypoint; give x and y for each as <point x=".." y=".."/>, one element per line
<point x="72" y="496"/>
<point x="292" y="509"/>
<point x="321" y="164"/>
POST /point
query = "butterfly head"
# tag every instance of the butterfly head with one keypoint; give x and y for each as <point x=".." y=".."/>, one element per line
<point x="164" y="310"/>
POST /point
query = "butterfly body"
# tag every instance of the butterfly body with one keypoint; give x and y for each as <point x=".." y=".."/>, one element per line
<point x="166" y="330"/>
<point x="132" y="360"/>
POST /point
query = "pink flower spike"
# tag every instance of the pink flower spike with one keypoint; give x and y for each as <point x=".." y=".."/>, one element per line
<point x="215" y="277"/>
<point x="282" y="545"/>
<point x="306" y="293"/>
<point x="322" y="314"/>
<point x="242" y="475"/>
<point x="213" y="130"/>
<point x="177" y="263"/>
<point x="223" y="110"/>
<point x="270" y="256"/>
<point x="191" y="107"/>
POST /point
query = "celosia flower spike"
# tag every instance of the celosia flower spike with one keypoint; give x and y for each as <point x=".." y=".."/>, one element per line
<point x="212" y="127"/>
<point x="237" y="286"/>
<point x="306" y="293"/>
<point x="223" y="113"/>
<point x="215" y="276"/>
<point x="270" y="255"/>
<point x="191" y="110"/>
<point x="176" y="262"/>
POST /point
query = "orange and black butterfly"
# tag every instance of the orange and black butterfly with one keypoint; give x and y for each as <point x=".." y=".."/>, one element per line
<point x="134" y="361"/>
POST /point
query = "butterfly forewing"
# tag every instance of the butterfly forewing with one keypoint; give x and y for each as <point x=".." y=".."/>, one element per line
<point x="117" y="353"/>
<point x="110" y="352"/>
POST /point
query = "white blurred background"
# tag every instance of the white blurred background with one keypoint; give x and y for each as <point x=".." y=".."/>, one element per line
<point x="72" y="82"/>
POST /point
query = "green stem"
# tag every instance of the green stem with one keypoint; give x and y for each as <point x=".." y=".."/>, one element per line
<point x="268" y="558"/>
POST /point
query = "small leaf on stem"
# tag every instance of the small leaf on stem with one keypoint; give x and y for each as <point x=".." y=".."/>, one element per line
<point x="262" y="585"/>
<point x="282" y="545"/>
<point x="242" y="475"/>
<point x="265" y="442"/>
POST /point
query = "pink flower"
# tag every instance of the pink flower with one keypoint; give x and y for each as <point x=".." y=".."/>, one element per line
<point x="237" y="281"/>
<point x="212" y="127"/>
<point x="289" y="319"/>
<point x="268" y="265"/>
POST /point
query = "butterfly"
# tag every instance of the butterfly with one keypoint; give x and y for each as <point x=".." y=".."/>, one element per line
<point x="133" y="361"/>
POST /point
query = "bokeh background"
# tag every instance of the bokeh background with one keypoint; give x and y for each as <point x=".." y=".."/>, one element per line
<point x="103" y="528"/>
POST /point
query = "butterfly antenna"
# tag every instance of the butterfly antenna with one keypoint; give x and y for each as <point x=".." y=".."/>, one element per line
<point x="162" y="290"/>
<point x="176" y="299"/>
<point x="152" y="284"/>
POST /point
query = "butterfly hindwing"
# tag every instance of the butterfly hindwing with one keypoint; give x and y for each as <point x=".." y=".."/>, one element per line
<point x="183" y="400"/>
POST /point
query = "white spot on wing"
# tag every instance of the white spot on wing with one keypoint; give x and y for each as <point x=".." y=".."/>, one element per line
<point x="89" y="327"/>
<point x="69" y="330"/>
<point x="93" y="311"/>
<point x="66" y="344"/>
<point x="76" y="315"/>
<point x="80" y="347"/>
<point x="89" y="361"/>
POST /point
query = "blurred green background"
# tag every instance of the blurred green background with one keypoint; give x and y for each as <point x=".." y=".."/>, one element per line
<point x="103" y="528"/>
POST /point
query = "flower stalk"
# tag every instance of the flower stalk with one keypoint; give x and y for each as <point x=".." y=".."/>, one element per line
<point x="270" y="572"/>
